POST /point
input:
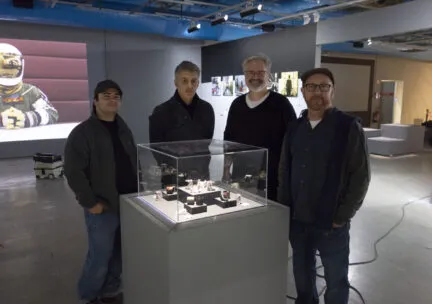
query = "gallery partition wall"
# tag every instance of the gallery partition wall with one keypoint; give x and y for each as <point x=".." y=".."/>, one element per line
<point x="354" y="85"/>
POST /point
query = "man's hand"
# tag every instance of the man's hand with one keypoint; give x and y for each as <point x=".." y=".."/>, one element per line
<point x="335" y="225"/>
<point x="98" y="209"/>
<point x="13" y="118"/>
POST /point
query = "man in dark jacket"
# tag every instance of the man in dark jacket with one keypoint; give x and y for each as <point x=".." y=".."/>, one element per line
<point x="325" y="175"/>
<point x="184" y="117"/>
<point x="100" y="164"/>
<point x="259" y="118"/>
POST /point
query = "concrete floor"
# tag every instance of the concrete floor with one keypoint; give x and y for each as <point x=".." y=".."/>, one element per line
<point x="43" y="242"/>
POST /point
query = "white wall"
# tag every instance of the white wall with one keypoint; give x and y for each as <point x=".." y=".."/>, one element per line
<point x="221" y="105"/>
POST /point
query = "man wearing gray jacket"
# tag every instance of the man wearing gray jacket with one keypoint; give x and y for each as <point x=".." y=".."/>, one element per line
<point x="324" y="177"/>
<point x="100" y="164"/>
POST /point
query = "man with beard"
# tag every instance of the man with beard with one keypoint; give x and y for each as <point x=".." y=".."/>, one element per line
<point x="184" y="117"/>
<point x="325" y="175"/>
<point x="258" y="118"/>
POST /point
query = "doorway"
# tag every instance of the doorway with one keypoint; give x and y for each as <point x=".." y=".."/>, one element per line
<point x="390" y="102"/>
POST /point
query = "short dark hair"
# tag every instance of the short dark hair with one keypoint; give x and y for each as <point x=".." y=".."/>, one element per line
<point x="187" y="66"/>
<point x="104" y="85"/>
<point x="323" y="71"/>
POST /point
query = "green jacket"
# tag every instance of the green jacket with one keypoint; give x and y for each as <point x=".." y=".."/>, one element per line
<point x="89" y="162"/>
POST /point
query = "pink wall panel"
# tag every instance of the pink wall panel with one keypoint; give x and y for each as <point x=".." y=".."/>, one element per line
<point x="62" y="89"/>
<point x="49" y="48"/>
<point x="72" y="111"/>
<point x="55" y="68"/>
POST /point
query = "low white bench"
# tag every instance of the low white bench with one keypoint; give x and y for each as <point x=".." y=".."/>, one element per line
<point x="369" y="132"/>
<point x="397" y="139"/>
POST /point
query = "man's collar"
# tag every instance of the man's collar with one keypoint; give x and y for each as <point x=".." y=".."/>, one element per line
<point x="179" y="99"/>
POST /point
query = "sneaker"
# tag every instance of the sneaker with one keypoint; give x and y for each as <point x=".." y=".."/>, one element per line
<point x="118" y="299"/>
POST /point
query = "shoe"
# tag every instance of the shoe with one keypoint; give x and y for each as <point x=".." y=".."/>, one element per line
<point x="118" y="299"/>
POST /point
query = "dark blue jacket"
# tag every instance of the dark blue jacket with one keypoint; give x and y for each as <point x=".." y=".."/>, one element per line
<point x="348" y="172"/>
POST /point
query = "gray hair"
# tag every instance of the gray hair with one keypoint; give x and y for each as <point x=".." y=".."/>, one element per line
<point x="187" y="66"/>
<point x="259" y="57"/>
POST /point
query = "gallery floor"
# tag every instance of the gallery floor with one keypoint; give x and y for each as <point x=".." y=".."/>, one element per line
<point x="43" y="242"/>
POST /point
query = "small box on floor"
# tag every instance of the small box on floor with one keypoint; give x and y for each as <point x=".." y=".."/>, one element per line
<point x="48" y="165"/>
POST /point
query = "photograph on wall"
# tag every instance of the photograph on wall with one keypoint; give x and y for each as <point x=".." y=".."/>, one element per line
<point x="274" y="82"/>
<point x="288" y="84"/>
<point x="216" y="86"/>
<point x="228" y="85"/>
<point x="43" y="89"/>
<point x="240" y="85"/>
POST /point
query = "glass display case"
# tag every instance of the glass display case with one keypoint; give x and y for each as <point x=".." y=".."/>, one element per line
<point x="188" y="180"/>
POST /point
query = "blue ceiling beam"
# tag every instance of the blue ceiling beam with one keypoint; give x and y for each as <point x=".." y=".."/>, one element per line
<point x="67" y="15"/>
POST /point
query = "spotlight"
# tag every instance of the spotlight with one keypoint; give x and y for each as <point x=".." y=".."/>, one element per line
<point x="306" y="19"/>
<point x="268" y="28"/>
<point x="248" y="11"/>
<point x="194" y="27"/>
<point x="316" y="17"/>
<point x="358" y="44"/>
<point x="219" y="20"/>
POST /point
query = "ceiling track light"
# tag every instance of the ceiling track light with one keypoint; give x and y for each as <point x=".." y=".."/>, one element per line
<point x="268" y="28"/>
<point x="306" y="19"/>
<point x="194" y="27"/>
<point x="251" y="10"/>
<point x="316" y="17"/>
<point x="219" y="20"/>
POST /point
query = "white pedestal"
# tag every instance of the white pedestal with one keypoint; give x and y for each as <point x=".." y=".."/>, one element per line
<point x="237" y="258"/>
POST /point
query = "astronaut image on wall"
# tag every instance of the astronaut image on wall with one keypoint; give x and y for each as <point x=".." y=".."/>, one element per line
<point x="22" y="105"/>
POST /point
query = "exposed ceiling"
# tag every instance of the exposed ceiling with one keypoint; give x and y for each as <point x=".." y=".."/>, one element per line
<point x="413" y="45"/>
<point x="175" y="17"/>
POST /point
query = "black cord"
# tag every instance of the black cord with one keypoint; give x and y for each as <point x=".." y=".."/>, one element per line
<point x="376" y="255"/>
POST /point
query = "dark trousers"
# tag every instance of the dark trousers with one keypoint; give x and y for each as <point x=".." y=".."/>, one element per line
<point x="103" y="267"/>
<point x="333" y="247"/>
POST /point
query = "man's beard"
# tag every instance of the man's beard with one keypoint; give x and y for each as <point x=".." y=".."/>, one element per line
<point x="256" y="85"/>
<point x="316" y="103"/>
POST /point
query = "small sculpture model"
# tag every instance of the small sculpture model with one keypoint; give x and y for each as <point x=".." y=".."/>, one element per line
<point x="170" y="189"/>
<point x="190" y="200"/>
<point x="210" y="186"/>
<point x="225" y="195"/>
<point x="248" y="178"/>
<point x="189" y="185"/>
<point x="158" y="195"/>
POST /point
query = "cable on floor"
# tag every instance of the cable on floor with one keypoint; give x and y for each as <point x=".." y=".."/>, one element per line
<point x="376" y="255"/>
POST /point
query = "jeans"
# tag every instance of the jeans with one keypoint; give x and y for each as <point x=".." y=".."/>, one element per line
<point x="333" y="247"/>
<point x="103" y="266"/>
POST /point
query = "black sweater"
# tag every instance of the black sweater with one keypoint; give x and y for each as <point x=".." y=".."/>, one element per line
<point x="263" y="126"/>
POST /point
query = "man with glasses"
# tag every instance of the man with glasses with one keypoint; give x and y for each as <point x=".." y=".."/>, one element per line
<point x="325" y="176"/>
<point x="100" y="164"/>
<point x="258" y="118"/>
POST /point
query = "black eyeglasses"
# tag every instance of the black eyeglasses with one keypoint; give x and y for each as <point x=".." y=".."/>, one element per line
<point x="323" y="87"/>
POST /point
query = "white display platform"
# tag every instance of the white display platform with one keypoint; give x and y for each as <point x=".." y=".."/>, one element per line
<point x="176" y="212"/>
<point x="233" y="258"/>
